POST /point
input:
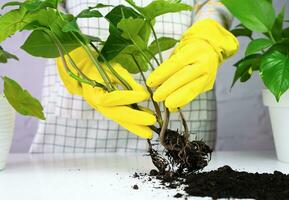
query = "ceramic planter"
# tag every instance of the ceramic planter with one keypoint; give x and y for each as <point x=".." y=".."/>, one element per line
<point x="279" y="115"/>
<point x="7" y="122"/>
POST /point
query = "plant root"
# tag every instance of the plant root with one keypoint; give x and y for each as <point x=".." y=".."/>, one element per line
<point x="181" y="155"/>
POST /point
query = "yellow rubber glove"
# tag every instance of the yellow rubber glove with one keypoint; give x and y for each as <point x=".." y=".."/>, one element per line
<point x="192" y="68"/>
<point x="115" y="105"/>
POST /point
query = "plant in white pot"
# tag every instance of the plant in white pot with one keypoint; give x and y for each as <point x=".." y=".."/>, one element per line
<point x="268" y="54"/>
<point x="13" y="98"/>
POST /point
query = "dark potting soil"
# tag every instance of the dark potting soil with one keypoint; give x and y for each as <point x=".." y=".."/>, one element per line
<point x="227" y="183"/>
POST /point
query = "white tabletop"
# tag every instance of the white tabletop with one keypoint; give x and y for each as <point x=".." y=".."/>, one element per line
<point x="105" y="176"/>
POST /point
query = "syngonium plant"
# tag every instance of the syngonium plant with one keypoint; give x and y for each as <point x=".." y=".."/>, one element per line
<point x="55" y="34"/>
<point x="268" y="52"/>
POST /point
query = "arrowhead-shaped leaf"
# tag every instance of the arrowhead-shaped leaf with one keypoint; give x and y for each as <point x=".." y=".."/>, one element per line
<point x="160" y="7"/>
<point x="274" y="71"/>
<point x="21" y="100"/>
<point x="258" y="45"/>
<point x="258" y="15"/>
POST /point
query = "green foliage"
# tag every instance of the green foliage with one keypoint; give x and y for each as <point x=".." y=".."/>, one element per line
<point x="268" y="55"/>
<point x="131" y="59"/>
<point x="115" y="43"/>
<point x="92" y="12"/>
<point x="165" y="43"/>
<point x="21" y="100"/>
<point x="257" y="15"/>
<point x="274" y="70"/>
<point x="131" y="27"/>
<point x="277" y="28"/>
<point x="33" y="5"/>
<point x="39" y="44"/>
<point x="258" y="45"/>
<point x="48" y="23"/>
<point x="88" y="13"/>
<point x="242" y="32"/>
<point x="13" y="21"/>
<point x="160" y="7"/>
<point x="5" y="56"/>
<point x="54" y="33"/>
<point x="130" y="31"/>
<point x="245" y="68"/>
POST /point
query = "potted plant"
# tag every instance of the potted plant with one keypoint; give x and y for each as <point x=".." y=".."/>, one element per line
<point x="15" y="97"/>
<point x="55" y="34"/>
<point x="268" y="54"/>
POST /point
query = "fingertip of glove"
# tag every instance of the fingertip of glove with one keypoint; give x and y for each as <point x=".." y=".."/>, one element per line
<point x="151" y="119"/>
<point x="149" y="82"/>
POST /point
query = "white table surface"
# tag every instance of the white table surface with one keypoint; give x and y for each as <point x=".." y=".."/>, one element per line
<point x="105" y="176"/>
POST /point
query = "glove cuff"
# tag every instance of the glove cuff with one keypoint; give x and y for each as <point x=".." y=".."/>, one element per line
<point x="223" y="41"/>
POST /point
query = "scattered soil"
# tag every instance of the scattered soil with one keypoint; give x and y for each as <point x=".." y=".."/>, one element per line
<point x="225" y="183"/>
<point x="178" y="195"/>
<point x="135" y="187"/>
<point x="180" y="165"/>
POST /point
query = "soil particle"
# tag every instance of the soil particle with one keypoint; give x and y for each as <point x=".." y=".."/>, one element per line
<point x="135" y="175"/>
<point x="178" y="195"/>
<point x="154" y="172"/>
<point x="135" y="187"/>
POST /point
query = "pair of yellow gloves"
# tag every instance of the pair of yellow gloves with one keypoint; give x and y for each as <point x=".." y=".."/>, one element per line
<point x="190" y="71"/>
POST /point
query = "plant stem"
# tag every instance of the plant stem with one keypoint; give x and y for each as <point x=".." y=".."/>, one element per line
<point x="157" y="108"/>
<point x="165" y="126"/>
<point x="101" y="71"/>
<point x="62" y="52"/>
<point x="155" y="59"/>
<point x="123" y="81"/>
<point x="157" y="41"/>
<point x="271" y="36"/>
<point x="186" y="129"/>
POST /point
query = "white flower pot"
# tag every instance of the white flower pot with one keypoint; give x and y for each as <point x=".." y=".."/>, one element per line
<point x="279" y="114"/>
<point x="7" y="122"/>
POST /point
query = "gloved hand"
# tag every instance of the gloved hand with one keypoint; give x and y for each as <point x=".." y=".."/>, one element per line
<point x="192" y="68"/>
<point x="115" y="105"/>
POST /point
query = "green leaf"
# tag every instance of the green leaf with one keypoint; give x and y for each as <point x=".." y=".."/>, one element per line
<point x="258" y="15"/>
<point x="94" y="39"/>
<point x="120" y="12"/>
<point x="5" y="56"/>
<point x="125" y="58"/>
<point x="278" y="25"/>
<point x="71" y="26"/>
<point x="245" y="67"/>
<point x="33" y="5"/>
<point x="39" y="44"/>
<point x="130" y="27"/>
<point x="275" y="73"/>
<point x="285" y="33"/>
<point x="115" y="43"/>
<point x="160" y="7"/>
<point x="45" y="17"/>
<point x="88" y="13"/>
<point x="13" y="21"/>
<point x="113" y="46"/>
<point x="258" y="45"/>
<point x="100" y="5"/>
<point x="165" y="44"/>
<point x="242" y="32"/>
<point x="282" y="47"/>
<point x="21" y="100"/>
<point x="12" y="3"/>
